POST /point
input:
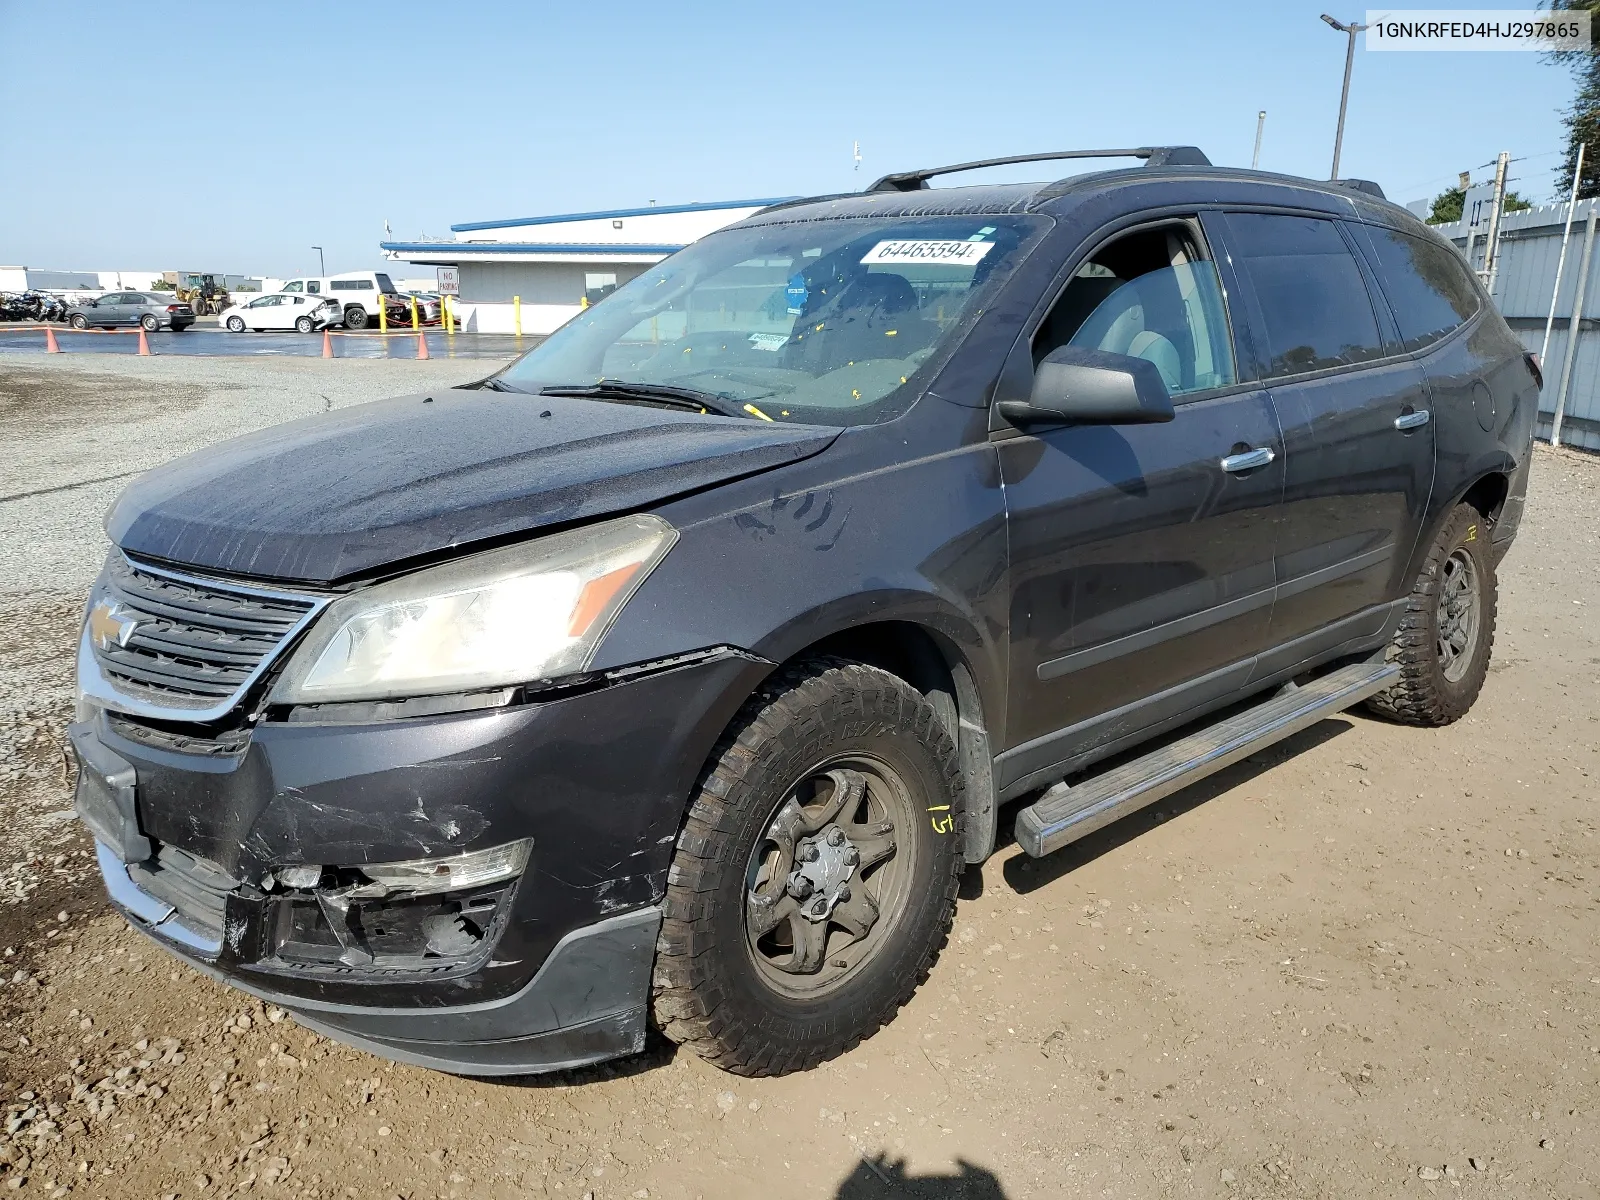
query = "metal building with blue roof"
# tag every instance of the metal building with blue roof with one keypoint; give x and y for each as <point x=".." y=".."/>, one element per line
<point x="554" y="265"/>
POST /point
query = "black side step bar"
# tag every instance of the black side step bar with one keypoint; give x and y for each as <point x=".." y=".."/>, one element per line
<point x="1064" y="814"/>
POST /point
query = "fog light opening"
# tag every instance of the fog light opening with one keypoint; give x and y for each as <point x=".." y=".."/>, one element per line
<point x="418" y="915"/>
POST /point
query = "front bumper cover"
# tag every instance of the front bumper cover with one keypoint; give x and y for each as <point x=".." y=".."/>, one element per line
<point x="588" y="1002"/>
<point x="598" y="780"/>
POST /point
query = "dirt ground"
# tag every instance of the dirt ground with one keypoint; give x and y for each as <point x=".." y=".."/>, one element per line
<point x="1364" y="963"/>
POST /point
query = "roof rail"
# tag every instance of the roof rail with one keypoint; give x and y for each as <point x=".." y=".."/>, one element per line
<point x="1154" y="156"/>
<point x="1361" y="185"/>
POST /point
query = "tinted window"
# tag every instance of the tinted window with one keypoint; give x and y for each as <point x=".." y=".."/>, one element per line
<point x="1314" y="304"/>
<point x="351" y="285"/>
<point x="314" y="287"/>
<point x="1427" y="285"/>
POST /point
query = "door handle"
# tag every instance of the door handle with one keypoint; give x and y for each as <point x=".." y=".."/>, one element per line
<point x="1249" y="460"/>
<point x="1411" y="420"/>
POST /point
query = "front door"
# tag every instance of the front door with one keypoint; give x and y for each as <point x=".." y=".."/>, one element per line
<point x="1356" y="424"/>
<point x="1141" y="555"/>
<point x="110" y="310"/>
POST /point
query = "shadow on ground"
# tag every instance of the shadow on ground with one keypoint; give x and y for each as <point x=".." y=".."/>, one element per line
<point x="878" y="1177"/>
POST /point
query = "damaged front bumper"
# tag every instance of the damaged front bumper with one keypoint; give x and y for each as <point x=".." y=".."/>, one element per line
<point x="544" y="970"/>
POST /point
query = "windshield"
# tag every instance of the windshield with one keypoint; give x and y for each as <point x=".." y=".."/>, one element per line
<point x="822" y="322"/>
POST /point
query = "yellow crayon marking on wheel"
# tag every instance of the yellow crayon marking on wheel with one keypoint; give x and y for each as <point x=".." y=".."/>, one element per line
<point x="938" y="808"/>
<point x="943" y="824"/>
<point x="1472" y="533"/>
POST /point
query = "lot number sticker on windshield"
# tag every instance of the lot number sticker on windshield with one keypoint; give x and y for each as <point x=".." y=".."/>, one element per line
<point x="956" y="254"/>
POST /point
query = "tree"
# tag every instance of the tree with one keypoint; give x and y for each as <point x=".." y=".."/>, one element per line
<point x="1447" y="206"/>
<point x="1582" y="118"/>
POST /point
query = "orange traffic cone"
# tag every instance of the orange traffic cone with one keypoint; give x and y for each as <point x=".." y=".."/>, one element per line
<point x="144" y="344"/>
<point x="422" y="345"/>
<point x="50" y="346"/>
<point x="327" y="344"/>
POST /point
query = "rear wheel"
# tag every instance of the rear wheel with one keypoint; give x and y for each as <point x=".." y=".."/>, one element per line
<point x="814" y="881"/>
<point x="1447" y="632"/>
<point x="355" y="317"/>
<point x="303" y="324"/>
<point x="150" y="323"/>
<point x="79" y="321"/>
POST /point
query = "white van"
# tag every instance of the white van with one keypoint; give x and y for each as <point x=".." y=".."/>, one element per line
<point x="357" y="291"/>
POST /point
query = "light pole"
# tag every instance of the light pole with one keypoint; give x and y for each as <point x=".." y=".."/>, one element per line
<point x="1344" y="96"/>
<point x="322" y="267"/>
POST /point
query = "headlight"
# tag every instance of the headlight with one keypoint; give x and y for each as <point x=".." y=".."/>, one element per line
<point x="526" y="612"/>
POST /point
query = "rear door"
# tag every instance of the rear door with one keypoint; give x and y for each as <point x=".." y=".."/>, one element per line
<point x="1141" y="555"/>
<point x="1357" y="429"/>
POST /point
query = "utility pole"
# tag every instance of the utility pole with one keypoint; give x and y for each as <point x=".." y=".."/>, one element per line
<point x="1491" y="252"/>
<point x="1561" y="262"/>
<point x="1344" y="96"/>
<point x="322" y="267"/>
<point x="1261" y="120"/>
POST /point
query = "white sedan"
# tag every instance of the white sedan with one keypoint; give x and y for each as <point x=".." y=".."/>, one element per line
<point x="282" y="310"/>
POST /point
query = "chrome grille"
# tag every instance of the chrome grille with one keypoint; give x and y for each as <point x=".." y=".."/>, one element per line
<point x="193" y="645"/>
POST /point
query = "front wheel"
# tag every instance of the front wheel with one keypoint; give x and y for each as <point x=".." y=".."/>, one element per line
<point x="1447" y="632"/>
<point x="303" y="324"/>
<point x="235" y="324"/>
<point x="814" y="882"/>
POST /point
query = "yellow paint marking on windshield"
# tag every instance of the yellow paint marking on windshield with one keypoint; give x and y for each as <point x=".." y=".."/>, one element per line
<point x="752" y="409"/>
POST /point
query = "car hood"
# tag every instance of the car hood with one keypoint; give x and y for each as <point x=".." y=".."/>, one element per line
<point x="345" y="494"/>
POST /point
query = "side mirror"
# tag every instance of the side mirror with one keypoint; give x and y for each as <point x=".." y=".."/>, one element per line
<point x="1076" y="386"/>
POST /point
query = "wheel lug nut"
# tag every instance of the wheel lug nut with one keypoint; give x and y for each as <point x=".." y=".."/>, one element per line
<point x="844" y="895"/>
<point x="800" y="887"/>
<point x="835" y="836"/>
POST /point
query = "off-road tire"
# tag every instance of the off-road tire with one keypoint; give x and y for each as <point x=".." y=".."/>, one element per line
<point x="708" y="994"/>
<point x="355" y="317"/>
<point x="1423" y="695"/>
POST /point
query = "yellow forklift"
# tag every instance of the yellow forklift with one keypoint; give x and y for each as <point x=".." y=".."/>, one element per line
<point x="206" y="294"/>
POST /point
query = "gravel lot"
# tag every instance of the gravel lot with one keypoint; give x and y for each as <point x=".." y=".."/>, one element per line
<point x="1362" y="963"/>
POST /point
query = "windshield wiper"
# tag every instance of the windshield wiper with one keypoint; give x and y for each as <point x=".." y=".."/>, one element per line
<point x="495" y="384"/>
<point x="659" y="393"/>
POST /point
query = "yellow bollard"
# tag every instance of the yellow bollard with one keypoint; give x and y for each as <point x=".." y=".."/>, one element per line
<point x="383" y="315"/>
<point x="516" y="313"/>
<point x="444" y="314"/>
<point x="413" y="312"/>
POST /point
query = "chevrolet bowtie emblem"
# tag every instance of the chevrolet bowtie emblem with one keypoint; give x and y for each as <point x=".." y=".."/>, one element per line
<point x="109" y="625"/>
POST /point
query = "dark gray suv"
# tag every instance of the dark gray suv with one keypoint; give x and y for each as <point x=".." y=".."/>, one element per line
<point x="672" y="675"/>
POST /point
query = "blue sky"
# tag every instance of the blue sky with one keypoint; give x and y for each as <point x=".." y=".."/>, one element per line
<point x="233" y="137"/>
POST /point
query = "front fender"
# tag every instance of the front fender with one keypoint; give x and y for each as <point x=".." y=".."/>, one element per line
<point x="792" y="557"/>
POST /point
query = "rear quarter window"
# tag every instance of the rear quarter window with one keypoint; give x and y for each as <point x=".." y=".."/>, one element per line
<point x="1427" y="284"/>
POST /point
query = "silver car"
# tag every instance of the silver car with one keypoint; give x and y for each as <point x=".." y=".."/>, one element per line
<point x="150" y="309"/>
